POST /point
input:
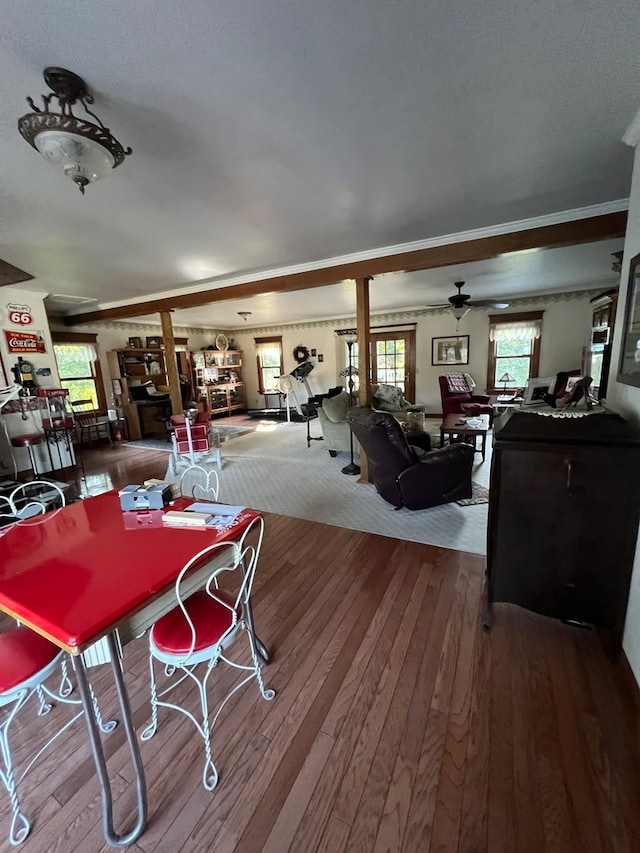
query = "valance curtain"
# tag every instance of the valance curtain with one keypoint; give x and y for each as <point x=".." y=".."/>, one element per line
<point x="524" y="329"/>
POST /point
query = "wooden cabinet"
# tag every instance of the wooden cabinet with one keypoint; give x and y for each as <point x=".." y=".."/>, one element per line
<point x="218" y="379"/>
<point x="133" y="369"/>
<point x="563" y="515"/>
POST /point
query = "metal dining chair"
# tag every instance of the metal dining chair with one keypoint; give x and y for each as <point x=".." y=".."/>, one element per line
<point x="198" y="632"/>
<point x="199" y="483"/>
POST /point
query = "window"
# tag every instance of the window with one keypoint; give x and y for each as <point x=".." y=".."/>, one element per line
<point x="514" y="348"/>
<point x="270" y="364"/>
<point x="79" y="370"/>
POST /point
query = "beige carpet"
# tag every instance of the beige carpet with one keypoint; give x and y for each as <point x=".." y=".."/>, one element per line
<point x="272" y="469"/>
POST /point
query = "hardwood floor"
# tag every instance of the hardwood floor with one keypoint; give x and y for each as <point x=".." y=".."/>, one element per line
<point x="398" y="724"/>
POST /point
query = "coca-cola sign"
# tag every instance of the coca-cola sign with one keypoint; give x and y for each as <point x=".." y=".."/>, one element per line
<point x="25" y="341"/>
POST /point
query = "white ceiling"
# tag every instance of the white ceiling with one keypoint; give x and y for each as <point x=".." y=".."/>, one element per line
<point x="268" y="133"/>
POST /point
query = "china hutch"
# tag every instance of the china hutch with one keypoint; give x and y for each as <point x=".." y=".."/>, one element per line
<point x="218" y="380"/>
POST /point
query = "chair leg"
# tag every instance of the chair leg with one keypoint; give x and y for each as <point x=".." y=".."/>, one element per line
<point x="210" y="772"/>
<point x="151" y="729"/>
<point x="267" y="692"/>
<point x="20" y="825"/>
<point x="66" y="687"/>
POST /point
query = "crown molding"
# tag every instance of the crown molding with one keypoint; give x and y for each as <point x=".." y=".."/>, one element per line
<point x="218" y="282"/>
<point x="631" y="135"/>
<point x="408" y="315"/>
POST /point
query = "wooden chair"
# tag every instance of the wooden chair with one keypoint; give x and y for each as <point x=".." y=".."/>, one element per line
<point x="90" y="424"/>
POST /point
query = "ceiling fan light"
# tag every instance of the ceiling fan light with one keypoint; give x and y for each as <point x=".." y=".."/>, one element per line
<point x="460" y="311"/>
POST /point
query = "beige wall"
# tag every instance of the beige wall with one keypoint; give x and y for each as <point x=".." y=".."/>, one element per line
<point x="14" y="422"/>
<point x="626" y="400"/>
<point x="566" y="330"/>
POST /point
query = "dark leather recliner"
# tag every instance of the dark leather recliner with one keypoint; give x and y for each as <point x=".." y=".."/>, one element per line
<point x="404" y="477"/>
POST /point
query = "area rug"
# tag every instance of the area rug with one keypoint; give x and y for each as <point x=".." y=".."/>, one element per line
<point x="479" y="495"/>
<point x="162" y="444"/>
<point x="273" y="470"/>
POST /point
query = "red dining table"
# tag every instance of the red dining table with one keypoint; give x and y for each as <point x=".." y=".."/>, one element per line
<point x="91" y="571"/>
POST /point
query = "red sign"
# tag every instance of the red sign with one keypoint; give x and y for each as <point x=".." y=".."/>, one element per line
<point x="20" y="315"/>
<point x="25" y="341"/>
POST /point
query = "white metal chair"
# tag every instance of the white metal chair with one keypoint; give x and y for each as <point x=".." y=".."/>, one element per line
<point x="198" y="631"/>
<point x="199" y="483"/>
<point x="32" y="498"/>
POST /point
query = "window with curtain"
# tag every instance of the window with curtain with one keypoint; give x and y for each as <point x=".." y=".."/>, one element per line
<point x="270" y="363"/>
<point x="514" y="349"/>
<point x="79" y="370"/>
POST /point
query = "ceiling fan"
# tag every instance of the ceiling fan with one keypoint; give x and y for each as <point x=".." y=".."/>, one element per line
<point x="460" y="303"/>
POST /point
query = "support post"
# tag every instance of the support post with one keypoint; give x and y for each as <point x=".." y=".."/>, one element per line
<point x="364" y="359"/>
<point x="171" y="362"/>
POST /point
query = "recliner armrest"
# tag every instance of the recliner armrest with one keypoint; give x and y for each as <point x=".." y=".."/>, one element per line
<point x="449" y="478"/>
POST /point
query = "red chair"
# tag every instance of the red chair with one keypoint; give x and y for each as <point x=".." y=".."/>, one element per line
<point x="26" y="661"/>
<point x="200" y="630"/>
<point x="458" y="397"/>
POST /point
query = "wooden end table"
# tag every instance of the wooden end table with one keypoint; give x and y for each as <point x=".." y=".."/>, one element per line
<point x="454" y="426"/>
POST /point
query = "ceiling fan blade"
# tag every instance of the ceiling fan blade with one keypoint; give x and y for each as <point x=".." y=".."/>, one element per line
<point x="487" y="303"/>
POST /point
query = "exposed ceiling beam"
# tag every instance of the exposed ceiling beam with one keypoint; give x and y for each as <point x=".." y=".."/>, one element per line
<point x="12" y="275"/>
<point x="604" y="227"/>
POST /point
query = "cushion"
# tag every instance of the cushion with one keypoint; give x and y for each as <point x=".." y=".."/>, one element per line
<point x="172" y="633"/>
<point x="23" y="653"/>
<point x="457" y="383"/>
<point x="388" y="398"/>
<point x="335" y="408"/>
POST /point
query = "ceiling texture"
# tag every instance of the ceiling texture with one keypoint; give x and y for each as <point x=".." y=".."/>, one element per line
<point x="273" y="133"/>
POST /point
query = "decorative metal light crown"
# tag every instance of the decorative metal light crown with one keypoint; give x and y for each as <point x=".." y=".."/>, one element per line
<point x="83" y="151"/>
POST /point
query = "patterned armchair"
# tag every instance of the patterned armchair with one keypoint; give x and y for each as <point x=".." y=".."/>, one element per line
<point x="456" y="390"/>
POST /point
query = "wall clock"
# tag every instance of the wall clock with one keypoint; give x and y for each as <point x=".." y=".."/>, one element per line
<point x="222" y="342"/>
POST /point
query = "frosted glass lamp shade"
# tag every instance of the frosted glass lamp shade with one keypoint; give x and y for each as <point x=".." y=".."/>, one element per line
<point x="81" y="159"/>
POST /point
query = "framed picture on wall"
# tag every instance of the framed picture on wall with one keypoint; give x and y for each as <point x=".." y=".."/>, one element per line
<point x="450" y="351"/>
<point x="135" y="343"/>
<point x="629" y="366"/>
<point x="155" y="342"/>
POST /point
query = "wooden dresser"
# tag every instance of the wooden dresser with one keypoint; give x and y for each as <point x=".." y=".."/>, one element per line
<point x="563" y="515"/>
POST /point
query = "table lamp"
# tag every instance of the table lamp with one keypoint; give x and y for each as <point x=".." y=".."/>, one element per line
<point x="506" y="377"/>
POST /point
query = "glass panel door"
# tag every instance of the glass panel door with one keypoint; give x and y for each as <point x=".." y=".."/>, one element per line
<point x="393" y="361"/>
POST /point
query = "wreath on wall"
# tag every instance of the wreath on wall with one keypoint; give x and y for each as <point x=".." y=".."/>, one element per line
<point x="300" y="354"/>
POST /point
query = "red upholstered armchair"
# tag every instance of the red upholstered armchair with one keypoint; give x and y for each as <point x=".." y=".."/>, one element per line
<point x="457" y="397"/>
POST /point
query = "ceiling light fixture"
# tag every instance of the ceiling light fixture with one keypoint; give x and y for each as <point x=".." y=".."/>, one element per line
<point x="244" y="315"/>
<point x="83" y="151"/>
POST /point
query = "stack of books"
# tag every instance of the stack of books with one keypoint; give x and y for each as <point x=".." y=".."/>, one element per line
<point x="176" y="518"/>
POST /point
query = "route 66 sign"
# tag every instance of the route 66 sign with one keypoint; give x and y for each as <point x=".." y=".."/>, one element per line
<point x="19" y="315"/>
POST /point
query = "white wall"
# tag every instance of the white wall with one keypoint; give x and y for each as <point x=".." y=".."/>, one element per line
<point x="626" y="400"/>
<point x="14" y="422"/>
<point x="566" y="330"/>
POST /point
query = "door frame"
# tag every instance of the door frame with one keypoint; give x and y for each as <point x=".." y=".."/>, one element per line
<point x="409" y="336"/>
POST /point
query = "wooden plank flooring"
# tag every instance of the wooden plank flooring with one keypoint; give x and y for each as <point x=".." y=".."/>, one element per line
<point x="398" y="725"/>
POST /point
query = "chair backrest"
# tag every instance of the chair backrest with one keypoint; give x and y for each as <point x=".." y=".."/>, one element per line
<point x="237" y="584"/>
<point x="385" y="445"/>
<point x="199" y="483"/>
<point x="81" y="407"/>
<point x="30" y="499"/>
